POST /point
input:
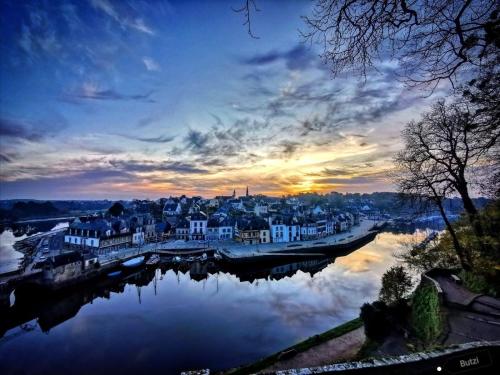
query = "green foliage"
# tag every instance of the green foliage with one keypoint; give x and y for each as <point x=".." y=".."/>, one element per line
<point x="477" y="283"/>
<point x="485" y="251"/>
<point x="396" y="284"/>
<point x="426" y="314"/>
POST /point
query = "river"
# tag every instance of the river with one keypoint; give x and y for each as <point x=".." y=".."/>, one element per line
<point x="166" y="320"/>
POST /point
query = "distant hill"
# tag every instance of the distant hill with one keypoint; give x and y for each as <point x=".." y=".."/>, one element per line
<point x="30" y="209"/>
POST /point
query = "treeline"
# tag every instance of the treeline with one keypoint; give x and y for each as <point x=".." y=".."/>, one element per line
<point x="30" y="209"/>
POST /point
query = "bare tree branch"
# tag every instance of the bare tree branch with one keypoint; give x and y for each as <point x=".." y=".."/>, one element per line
<point x="247" y="8"/>
<point x="431" y="41"/>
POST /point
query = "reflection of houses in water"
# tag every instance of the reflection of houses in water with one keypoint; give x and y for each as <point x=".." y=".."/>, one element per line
<point x="312" y="267"/>
<point x="280" y="271"/>
<point x="198" y="271"/>
<point x="54" y="308"/>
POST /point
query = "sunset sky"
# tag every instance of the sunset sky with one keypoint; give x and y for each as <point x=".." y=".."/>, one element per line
<point x="136" y="99"/>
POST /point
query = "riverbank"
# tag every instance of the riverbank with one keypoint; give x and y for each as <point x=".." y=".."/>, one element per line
<point x="327" y="347"/>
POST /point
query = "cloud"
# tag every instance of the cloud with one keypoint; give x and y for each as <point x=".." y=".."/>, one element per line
<point x="289" y="148"/>
<point x="5" y="158"/>
<point x="19" y="131"/>
<point x="158" y="139"/>
<point x="296" y="58"/>
<point x="151" y="64"/>
<point x="125" y="20"/>
<point x="149" y="166"/>
<point x="197" y="141"/>
<point x="32" y="131"/>
<point x="90" y="91"/>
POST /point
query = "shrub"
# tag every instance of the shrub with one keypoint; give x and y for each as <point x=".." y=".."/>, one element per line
<point x="426" y="314"/>
<point x="477" y="283"/>
<point x="375" y="319"/>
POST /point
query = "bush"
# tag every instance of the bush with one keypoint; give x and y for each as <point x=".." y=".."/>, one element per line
<point x="477" y="283"/>
<point x="426" y="314"/>
<point x="375" y="319"/>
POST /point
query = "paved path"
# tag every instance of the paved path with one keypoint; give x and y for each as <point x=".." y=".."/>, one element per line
<point x="455" y="293"/>
<point x="340" y="348"/>
<point x="470" y="316"/>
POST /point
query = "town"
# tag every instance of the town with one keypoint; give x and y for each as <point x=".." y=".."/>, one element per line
<point x="245" y="219"/>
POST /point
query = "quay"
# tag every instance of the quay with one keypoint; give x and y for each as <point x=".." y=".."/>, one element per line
<point x="67" y="272"/>
<point x="327" y="246"/>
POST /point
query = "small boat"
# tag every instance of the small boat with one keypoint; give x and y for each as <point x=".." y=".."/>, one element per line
<point x="217" y="256"/>
<point x="153" y="260"/>
<point x="176" y="259"/>
<point x="134" y="262"/>
<point x="203" y="257"/>
<point x="114" y="274"/>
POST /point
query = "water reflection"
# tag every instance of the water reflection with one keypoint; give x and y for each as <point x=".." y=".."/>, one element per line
<point x="9" y="257"/>
<point x="171" y="319"/>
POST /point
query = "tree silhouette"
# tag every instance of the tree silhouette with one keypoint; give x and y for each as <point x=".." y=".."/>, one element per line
<point x="441" y="155"/>
<point x="396" y="284"/>
<point x="430" y="40"/>
<point x="116" y="209"/>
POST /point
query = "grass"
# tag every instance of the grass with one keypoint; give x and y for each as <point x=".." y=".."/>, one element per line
<point x="300" y="347"/>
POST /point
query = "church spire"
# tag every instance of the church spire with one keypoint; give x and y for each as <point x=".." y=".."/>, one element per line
<point x="247" y="191"/>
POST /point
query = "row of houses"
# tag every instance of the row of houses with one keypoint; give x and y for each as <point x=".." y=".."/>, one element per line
<point x="100" y="235"/>
<point x="253" y="229"/>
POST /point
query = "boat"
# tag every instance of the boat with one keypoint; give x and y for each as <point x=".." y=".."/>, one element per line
<point x="114" y="274"/>
<point x="203" y="258"/>
<point x="153" y="260"/>
<point x="134" y="262"/>
<point x="176" y="259"/>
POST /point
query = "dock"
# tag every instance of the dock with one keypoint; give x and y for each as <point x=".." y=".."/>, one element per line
<point x="327" y="246"/>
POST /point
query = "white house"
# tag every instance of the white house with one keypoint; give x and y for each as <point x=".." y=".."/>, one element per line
<point x="138" y="236"/>
<point x="284" y="230"/>
<point x="308" y="231"/>
<point x="279" y="230"/>
<point x="214" y="203"/>
<point x="198" y="226"/>
<point x="172" y="208"/>
<point x="318" y="211"/>
<point x="260" y="209"/>
<point x="219" y="228"/>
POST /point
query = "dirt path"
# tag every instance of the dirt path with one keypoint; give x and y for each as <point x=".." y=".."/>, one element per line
<point x="340" y="348"/>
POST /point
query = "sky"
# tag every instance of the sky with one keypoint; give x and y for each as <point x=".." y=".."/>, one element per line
<point x="147" y="99"/>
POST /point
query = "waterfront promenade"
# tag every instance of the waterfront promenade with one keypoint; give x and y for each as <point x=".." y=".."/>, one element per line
<point x="237" y="249"/>
<point x="241" y="250"/>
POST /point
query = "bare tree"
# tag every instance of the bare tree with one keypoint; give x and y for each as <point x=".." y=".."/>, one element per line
<point x="431" y="40"/>
<point x="444" y="150"/>
<point x="420" y="182"/>
<point x="483" y="94"/>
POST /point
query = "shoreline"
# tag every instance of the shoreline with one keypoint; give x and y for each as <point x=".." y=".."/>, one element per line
<point x="298" y="348"/>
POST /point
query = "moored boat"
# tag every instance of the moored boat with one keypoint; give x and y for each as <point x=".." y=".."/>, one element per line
<point x="153" y="260"/>
<point x="134" y="262"/>
<point x="114" y="274"/>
